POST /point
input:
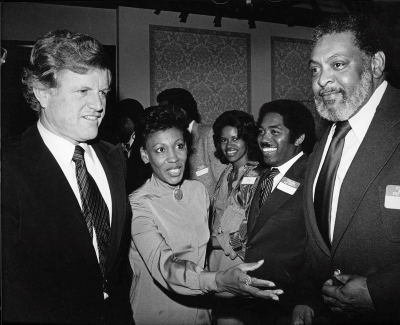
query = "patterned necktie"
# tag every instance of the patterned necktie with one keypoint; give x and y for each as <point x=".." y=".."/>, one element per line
<point x="266" y="186"/>
<point x="326" y="180"/>
<point x="94" y="209"/>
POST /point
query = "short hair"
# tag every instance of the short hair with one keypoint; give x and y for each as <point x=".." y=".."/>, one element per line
<point x="129" y="108"/>
<point x="369" y="36"/>
<point x="182" y="98"/>
<point x="296" y="117"/>
<point x="162" y="118"/>
<point x="247" y="130"/>
<point x="61" y="50"/>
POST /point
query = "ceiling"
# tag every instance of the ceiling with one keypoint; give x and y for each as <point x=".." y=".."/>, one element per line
<point x="290" y="12"/>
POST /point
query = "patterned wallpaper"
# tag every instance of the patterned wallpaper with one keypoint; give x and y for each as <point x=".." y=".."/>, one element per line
<point x="291" y="78"/>
<point x="214" y="66"/>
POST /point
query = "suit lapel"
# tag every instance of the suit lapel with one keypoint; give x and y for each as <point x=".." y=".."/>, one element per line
<point x="312" y="170"/>
<point x="111" y="160"/>
<point x="379" y="143"/>
<point x="54" y="189"/>
<point x="277" y="197"/>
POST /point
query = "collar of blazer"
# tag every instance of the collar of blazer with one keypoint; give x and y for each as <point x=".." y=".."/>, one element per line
<point x="258" y="218"/>
<point x="47" y="174"/>
<point x="379" y="144"/>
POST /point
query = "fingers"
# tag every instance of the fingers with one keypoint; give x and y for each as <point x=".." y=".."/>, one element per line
<point x="328" y="282"/>
<point x="264" y="294"/>
<point x="343" y="278"/>
<point x="261" y="283"/>
<point x="250" y="266"/>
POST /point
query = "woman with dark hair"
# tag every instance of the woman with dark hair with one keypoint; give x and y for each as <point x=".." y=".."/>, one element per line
<point x="235" y="138"/>
<point x="170" y="233"/>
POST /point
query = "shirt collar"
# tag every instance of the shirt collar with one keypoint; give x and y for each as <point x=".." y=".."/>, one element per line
<point x="62" y="149"/>
<point x="360" y="122"/>
<point x="285" y="167"/>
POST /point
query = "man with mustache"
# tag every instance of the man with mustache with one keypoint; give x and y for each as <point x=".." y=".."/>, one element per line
<point x="352" y="201"/>
<point x="275" y="220"/>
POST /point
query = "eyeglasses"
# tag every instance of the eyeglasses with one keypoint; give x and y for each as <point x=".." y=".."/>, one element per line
<point x="3" y="55"/>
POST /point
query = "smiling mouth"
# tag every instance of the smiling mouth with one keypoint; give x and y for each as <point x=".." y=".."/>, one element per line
<point x="91" y="117"/>
<point x="268" y="150"/>
<point x="231" y="152"/>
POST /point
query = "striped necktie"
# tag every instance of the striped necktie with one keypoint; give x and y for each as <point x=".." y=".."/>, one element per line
<point x="266" y="186"/>
<point x="94" y="209"/>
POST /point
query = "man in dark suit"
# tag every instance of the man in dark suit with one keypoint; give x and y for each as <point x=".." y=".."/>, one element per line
<point x="203" y="165"/>
<point x="65" y="215"/>
<point x="353" y="219"/>
<point x="275" y="223"/>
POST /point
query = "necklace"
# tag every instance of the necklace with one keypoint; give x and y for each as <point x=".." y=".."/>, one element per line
<point x="177" y="193"/>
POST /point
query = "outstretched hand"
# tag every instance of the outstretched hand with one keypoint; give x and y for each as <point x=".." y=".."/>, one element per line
<point x="235" y="280"/>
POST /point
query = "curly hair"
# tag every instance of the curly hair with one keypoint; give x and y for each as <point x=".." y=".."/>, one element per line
<point x="369" y="36"/>
<point x="161" y="118"/>
<point x="296" y="117"/>
<point x="247" y="130"/>
<point x="61" y="50"/>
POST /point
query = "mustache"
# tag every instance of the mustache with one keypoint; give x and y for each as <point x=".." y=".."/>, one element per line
<point x="265" y="144"/>
<point x="327" y="91"/>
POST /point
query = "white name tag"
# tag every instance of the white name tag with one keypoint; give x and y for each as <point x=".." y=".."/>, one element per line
<point x="392" y="197"/>
<point x="248" y="180"/>
<point x="288" y="185"/>
<point x="202" y="172"/>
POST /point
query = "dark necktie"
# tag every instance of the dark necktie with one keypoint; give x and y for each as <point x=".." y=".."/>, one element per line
<point x="238" y="241"/>
<point x="266" y="186"/>
<point x="326" y="180"/>
<point x="94" y="208"/>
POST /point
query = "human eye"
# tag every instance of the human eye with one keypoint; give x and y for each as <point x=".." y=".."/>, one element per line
<point x="180" y="146"/>
<point x="103" y="93"/>
<point x="160" y="150"/>
<point x="83" y="91"/>
<point x="223" y="140"/>
<point x="261" y="131"/>
<point x="235" y="139"/>
<point x="314" y="70"/>
<point x="338" y="65"/>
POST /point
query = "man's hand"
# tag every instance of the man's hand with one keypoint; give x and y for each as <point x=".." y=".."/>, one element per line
<point x="302" y="315"/>
<point x="236" y="281"/>
<point x="350" y="296"/>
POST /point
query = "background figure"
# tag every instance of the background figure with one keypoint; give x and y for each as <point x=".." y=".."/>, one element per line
<point x="235" y="138"/>
<point x="203" y="165"/>
<point x="353" y="180"/>
<point x="170" y="233"/>
<point x="275" y="220"/>
<point x="65" y="221"/>
<point x="127" y="115"/>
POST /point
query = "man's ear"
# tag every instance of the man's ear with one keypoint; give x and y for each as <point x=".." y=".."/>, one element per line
<point x="42" y="95"/>
<point x="144" y="155"/>
<point x="299" y="140"/>
<point x="378" y="64"/>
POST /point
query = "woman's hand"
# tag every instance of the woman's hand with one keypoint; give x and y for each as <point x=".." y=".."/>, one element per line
<point x="236" y="281"/>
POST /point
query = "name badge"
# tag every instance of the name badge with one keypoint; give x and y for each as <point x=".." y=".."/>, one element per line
<point x="248" y="180"/>
<point x="392" y="197"/>
<point x="288" y="185"/>
<point x="202" y="172"/>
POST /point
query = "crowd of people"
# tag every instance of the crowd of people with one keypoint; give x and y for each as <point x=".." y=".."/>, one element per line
<point x="241" y="222"/>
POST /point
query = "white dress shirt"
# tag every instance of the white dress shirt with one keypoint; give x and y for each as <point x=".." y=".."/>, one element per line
<point x="284" y="168"/>
<point x="63" y="151"/>
<point x="359" y="126"/>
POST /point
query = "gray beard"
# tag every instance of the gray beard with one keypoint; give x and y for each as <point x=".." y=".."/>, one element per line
<point x="349" y="105"/>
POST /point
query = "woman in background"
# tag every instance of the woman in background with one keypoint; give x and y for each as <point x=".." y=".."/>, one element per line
<point x="170" y="233"/>
<point x="235" y="138"/>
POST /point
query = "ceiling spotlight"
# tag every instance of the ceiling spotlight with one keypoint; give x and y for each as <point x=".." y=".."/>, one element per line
<point x="252" y="24"/>
<point x="217" y="20"/>
<point x="183" y="16"/>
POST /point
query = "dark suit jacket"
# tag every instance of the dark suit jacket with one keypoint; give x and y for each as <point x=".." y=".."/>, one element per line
<point x="366" y="240"/>
<point x="277" y="234"/>
<point x="50" y="270"/>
